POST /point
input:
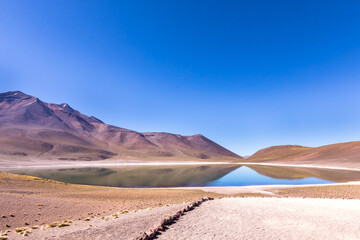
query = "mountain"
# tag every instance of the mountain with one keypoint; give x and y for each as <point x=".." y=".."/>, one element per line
<point x="31" y="128"/>
<point x="277" y="152"/>
<point x="341" y="154"/>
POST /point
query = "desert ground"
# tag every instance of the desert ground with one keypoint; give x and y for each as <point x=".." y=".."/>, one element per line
<point x="269" y="218"/>
<point x="35" y="208"/>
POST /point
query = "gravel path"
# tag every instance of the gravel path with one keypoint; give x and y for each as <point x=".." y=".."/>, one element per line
<point x="269" y="218"/>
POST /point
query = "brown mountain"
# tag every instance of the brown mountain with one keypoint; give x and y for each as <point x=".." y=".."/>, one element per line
<point x="31" y="128"/>
<point x="341" y="154"/>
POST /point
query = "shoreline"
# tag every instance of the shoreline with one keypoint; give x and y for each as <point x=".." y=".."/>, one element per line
<point x="226" y="190"/>
<point x="32" y="201"/>
<point x="115" y="164"/>
<point x="261" y="188"/>
<point x="300" y="165"/>
<point x="59" y="164"/>
<point x="213" y="189"/>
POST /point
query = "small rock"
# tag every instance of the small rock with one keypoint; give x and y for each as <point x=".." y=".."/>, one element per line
<point x="53" y="224"/>
<point x="143" y="236"/>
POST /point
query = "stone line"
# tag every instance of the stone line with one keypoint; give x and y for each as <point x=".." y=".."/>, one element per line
<point x="167" y="221"/>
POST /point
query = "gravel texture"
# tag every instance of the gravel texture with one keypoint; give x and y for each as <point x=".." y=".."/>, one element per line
<point x="124" y="226"/>
<point x="269" y="218"/>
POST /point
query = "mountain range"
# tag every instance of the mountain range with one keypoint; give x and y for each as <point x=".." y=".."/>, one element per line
<point x="345" y="154"/>
<point x="31" y="128"/>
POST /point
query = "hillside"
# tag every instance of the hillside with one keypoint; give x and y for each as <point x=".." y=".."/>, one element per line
<point x="31" y="128"/>
<point x="341" y="154"/>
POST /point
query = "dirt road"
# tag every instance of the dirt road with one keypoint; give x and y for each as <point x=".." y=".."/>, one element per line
<point x="269" y="218"/>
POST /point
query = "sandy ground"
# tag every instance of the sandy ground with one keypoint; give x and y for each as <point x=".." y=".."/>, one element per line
<point x="349" y="190"/>
<point x="121" y="226"/>
<point x="226" y="218"/>
<point x="340" y="191"/>
<point x="234" y="190"/>
<point x="269" y="218"/>
<point x="34" y="201"/>
<point x="29" y="201"/>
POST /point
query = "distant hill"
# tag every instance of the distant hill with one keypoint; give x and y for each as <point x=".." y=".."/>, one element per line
<point x="31" y="128"/>
<point x="277" y="152"/>
<point x="340" y="154"/>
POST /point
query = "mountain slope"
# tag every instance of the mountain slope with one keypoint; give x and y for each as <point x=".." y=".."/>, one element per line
<point x="277" y="152"/>
<point x="31" y="128"/>
<point x="341" y="154"/>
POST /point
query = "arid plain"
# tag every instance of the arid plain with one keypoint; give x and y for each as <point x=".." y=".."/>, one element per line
<point x="38" y="135"/>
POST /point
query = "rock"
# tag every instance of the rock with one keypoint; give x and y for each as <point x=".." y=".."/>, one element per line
<point x="143" y="236"/>
<point x="63" y="224"/>
<point x="168" y="220"/>
<point x="53" y="224"/>
<point x="150" y="233"/>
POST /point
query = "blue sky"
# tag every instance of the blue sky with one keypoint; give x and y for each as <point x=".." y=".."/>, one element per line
<point x="246" y="74"/>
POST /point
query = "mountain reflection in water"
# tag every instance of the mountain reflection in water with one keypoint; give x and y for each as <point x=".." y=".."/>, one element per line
<point x="195" y="175"/>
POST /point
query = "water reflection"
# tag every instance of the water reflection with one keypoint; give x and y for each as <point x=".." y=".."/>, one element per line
<point x="201" y="175"/>
<point x="245" y="176"/>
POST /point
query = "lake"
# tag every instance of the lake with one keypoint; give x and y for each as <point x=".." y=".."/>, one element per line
<point x="193" y="175"/>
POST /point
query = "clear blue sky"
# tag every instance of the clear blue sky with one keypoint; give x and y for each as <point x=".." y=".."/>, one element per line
<point x="246" y="74"/>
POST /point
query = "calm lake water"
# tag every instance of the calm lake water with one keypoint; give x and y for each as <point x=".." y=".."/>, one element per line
<point x="201" y="175"/>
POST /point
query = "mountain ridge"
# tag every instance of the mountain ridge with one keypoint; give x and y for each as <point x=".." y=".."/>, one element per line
<point x="345" y="154"/>
<point x="57" y="131"/>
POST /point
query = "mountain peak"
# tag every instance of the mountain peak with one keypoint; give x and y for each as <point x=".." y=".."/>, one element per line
<point x="197" y="135"/>
<point x="66" y="107"/>
<point x="14" y="95"/>
<point x="75" y="135"/>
